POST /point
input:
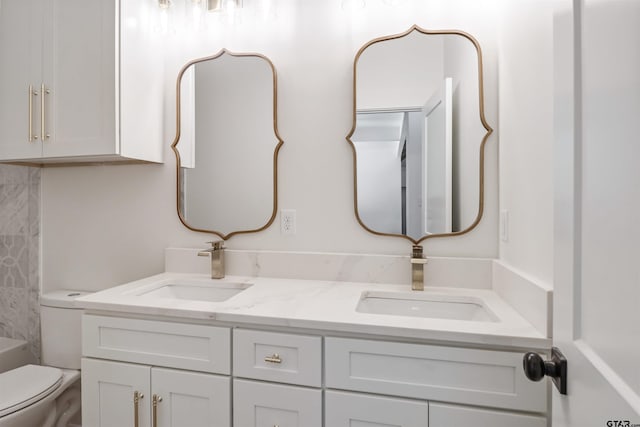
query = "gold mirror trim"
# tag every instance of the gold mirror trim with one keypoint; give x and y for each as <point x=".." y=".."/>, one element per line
<point x="275" y="152"/>
<point x="482" y="144"/>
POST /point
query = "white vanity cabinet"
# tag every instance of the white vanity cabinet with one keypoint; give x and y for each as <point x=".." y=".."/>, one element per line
<point x="80" y="82"/>
<point x="292" y="359"/>
<point x="123" y="394"/>
<point x="141" y="358"/>
<point x="232" y="375"/>
<point x="467" y="379"/>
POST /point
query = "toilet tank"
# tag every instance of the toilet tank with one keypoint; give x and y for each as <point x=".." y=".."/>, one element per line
<point x="60" y="325"/>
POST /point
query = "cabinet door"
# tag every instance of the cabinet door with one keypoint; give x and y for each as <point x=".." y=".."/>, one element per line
<point x="20" y="56"/>
<point x="191" y="399"/>
<point x="257" y="404"/>
<point x="362" y="410"/>
<point x="79" y="70"/>
<point x="108" y="390"/>
<point x="443" y="415"/>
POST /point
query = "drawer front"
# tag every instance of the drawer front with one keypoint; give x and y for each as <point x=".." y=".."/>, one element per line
<point x="174" y="345"/>
<point x="285" y="358"/>
<point x="477" y="377"/>
<point x="257" y="404"/>
<point x="344" y="409"/>
<point x="443" y="415"/>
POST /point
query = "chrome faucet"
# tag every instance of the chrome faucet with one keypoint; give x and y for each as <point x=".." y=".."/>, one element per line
<point x="216" y="252"/>
<point x="417" y="269"/>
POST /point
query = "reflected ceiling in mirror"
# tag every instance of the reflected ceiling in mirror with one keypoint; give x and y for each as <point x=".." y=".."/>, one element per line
<point x="227" y="143"/>
<point x="418" y="134"/>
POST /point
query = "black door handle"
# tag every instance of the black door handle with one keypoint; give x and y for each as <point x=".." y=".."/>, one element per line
<point x="535" y="368"/>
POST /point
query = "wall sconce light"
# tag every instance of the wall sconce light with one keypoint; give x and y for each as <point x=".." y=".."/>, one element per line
<point x="218" y="5"/>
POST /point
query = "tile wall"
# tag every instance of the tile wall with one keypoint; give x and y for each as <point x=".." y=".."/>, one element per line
<point x="19" y="254"/>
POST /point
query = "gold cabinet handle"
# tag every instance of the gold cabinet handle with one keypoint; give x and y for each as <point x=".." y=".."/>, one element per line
<point x="136" y="401"/>
<point x="32" y="93"/>
<point x="43" y="121"/>
<point x="154" y="413"/>
<point x="274" y="358"/>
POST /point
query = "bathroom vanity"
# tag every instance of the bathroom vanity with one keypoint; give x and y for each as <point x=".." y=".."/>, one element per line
<point x="183" y="349"/>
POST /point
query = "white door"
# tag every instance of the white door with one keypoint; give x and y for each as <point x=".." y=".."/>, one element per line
<point x="437" y="162"/>
<point x="20" y="56"/>
<point x="79" y="73"/>
<point x="109" y="390"/>
<point x="190" y="399"/>
<point x="597" y="206"/>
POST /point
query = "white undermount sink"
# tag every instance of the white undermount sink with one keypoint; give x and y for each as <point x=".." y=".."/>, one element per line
<point x="424" y="305"/>
<point x="195" y="290"/>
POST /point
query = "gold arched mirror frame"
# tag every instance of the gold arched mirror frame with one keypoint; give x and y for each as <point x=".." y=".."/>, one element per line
<point x="482" y="145"/>
<point x="174" y="145"/>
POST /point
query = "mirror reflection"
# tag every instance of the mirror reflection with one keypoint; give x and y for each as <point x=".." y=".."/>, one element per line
<point x="418" y="134"/>
<point x="227" y="144"/>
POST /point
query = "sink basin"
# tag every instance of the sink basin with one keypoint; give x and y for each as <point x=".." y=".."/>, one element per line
<point x="425" y="306"/>
<point x="195" y="290"/>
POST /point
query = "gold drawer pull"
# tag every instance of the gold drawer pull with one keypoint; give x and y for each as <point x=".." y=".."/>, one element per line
<point x="136" y="400"/>
<point x="43" y="121"/>
<point x="32" y="93"/>
<point x="154" y="411"/>
<point x="274" y="358"/>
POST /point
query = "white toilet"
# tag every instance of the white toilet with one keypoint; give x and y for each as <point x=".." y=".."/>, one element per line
<point x="47" y="395"/>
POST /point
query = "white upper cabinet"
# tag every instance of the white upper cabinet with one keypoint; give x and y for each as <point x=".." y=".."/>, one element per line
<point x="81" y="82"/>
<point x="20" y="77"/>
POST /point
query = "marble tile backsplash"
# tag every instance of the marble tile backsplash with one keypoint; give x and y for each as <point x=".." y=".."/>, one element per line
<point x="19" y="253"/>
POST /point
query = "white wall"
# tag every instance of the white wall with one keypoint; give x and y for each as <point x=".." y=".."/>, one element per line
<point x="462" y="66"/>
<point x="106" y="225"/>
<point x="379" y="181"/>
<point x="400" y="73"/>
<point x="526" y="134"/>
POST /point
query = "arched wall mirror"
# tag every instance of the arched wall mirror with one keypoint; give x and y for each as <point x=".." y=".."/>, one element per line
<point x="418" y="134"/>
<point x="227" y="143"/>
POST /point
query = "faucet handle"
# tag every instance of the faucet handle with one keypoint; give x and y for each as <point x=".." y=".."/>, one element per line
<point x="217" y="244"/>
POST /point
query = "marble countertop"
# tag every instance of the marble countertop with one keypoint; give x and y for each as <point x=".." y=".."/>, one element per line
<point x="322" y="305"/>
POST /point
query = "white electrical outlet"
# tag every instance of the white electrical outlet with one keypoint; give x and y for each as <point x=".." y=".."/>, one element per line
<point x="288" y="222"/>
<point x="504" y="225"/>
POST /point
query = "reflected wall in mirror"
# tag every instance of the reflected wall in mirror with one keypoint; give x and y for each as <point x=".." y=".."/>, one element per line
<point x="227" y="143"/>
<point x="419" y="134"/>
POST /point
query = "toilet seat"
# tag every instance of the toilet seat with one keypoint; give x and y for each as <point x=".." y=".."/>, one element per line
<point x="27" y="385"/>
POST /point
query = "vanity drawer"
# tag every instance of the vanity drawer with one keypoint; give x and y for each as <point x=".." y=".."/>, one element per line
<point x="175" y="345"/>
<point x="444" y="415"/>
<point x="476" y="377"/>
<point x="258" y="404"/>
<point x="344" y="409"/>
<point x="285" y="358"/>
